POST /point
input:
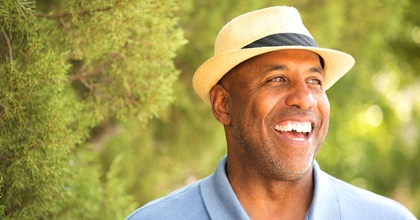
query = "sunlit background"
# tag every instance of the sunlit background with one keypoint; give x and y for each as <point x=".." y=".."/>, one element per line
<point x="98" y="115"/>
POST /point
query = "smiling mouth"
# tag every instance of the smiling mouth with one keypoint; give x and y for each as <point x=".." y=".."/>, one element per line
<point x="297" y="131"/>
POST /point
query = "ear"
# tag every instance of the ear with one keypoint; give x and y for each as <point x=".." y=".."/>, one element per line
<point x="219" y="104"/>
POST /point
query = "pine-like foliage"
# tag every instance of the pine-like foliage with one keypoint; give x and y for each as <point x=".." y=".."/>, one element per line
<point x="65" y="68"/>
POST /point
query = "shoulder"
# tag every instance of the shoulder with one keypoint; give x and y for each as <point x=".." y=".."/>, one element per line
<point x="367" y="204"/>
<point x="184" y="203"/>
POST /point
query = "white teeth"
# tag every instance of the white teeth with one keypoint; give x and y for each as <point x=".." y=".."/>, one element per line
<point x="296" y="126"/>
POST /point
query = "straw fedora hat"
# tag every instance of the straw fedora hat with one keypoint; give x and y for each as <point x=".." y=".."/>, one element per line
<point x="259" y="32"/>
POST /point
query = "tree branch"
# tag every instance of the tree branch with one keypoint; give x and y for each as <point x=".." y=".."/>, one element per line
<point x="82" y="13"/>
<point x="82" y="74"/>
<point x="8" y="45"/>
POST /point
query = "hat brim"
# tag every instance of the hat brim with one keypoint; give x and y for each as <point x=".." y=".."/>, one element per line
<point x="337" y="64"/>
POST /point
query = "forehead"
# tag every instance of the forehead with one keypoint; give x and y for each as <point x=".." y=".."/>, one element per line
<point x="285" y="56"/>
<point x="293" y="56"/>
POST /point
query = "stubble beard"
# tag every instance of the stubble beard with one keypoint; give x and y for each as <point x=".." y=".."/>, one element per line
<point x="260" y="154"/>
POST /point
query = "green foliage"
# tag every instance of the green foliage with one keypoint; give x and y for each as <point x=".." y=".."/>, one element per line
<point x="33" y="126"/>
<point x="118" y="59"/>
<point x="15" y="12"/>
<point x="66" y="69"/>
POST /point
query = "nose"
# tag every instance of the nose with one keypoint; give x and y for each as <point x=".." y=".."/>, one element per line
<point x="302" y="97"/>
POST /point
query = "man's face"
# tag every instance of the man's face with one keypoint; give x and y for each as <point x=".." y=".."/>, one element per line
<point x="278" y="113"/>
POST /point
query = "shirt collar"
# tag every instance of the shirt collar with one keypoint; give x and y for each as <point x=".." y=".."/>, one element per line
<point x="325" y="203"/>
<point x="218" y="196"/>
<point x="221" y="202"/>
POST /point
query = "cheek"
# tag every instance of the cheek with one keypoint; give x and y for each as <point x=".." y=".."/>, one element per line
<point x="253" y="102"/>
<point x="251" y="113"/>
<point x="262" y="108"/>
<point x="268" y="100"/>
<point x="324" y="108"/>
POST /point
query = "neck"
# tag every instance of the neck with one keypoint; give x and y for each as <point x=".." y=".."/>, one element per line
<point x="264" y="198"/>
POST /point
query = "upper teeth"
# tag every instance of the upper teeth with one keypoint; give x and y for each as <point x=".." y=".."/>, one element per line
<point x="295" y="126"/>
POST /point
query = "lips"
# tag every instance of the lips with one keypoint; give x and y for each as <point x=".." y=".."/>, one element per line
<point x="295" y="130"/>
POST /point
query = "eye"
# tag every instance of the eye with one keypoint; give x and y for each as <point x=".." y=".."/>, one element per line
<point x="278" y="79"/>
<point x="315" y="81"/>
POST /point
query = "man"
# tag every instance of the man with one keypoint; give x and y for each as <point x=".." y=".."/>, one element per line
<point x="266" y="84"/>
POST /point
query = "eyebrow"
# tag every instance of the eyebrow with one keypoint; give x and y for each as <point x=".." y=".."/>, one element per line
<point x="318" y="70"/>
<point x="274" y="68"/>
<point x="284" y="67"/>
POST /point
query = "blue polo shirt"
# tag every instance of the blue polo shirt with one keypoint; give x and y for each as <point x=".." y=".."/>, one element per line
<point x="214" y="198"/>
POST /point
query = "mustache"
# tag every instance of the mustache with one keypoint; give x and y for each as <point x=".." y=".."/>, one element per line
<point x="296" y="112"/>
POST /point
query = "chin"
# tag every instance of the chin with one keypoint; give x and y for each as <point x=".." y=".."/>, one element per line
<point x="293" y="173"/>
